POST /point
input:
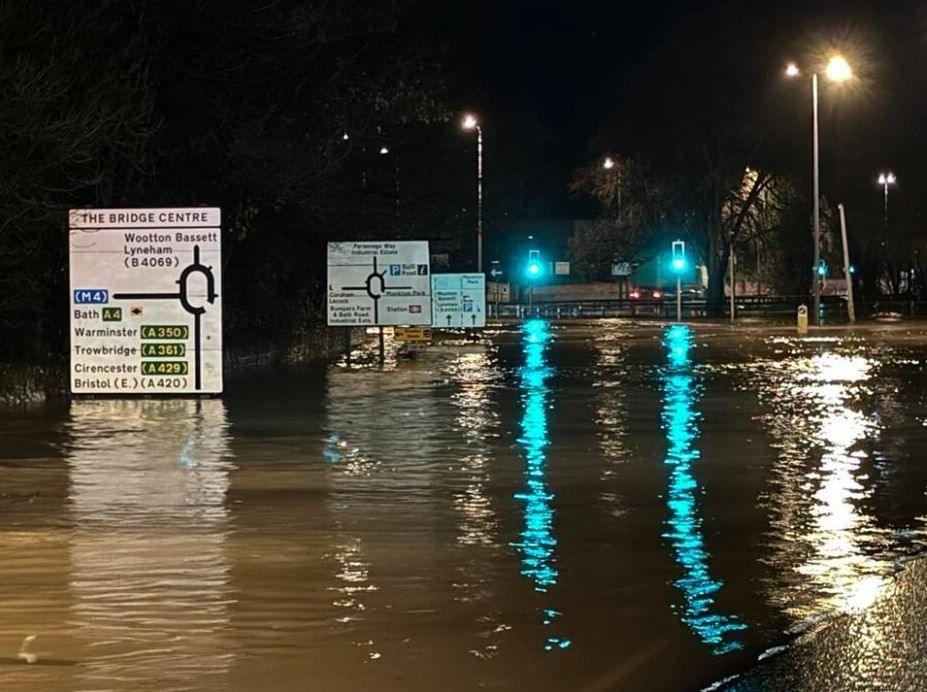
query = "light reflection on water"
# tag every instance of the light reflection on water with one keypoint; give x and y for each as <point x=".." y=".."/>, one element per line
<point x="475" y="374"/>
<point x="537" y="537"/>
<point x="822" y="484"/>
<point x="680" y="419"/>
<point x="149" y="568"/>
<point x="611" y="413"/>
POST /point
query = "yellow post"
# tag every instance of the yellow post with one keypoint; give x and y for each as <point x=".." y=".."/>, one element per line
<point x="803" y="319"/>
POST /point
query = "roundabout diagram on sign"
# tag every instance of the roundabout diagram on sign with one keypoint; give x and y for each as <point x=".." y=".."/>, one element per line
<point x="183" y="295"/>
<point x="376" y="288"/>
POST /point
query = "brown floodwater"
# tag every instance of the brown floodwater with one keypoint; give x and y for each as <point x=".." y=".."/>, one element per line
<point x="583" y="507"/>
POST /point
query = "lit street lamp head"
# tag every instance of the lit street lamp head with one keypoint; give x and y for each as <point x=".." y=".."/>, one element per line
<point x="469" y="122"/>
<point x="887" y="179"/>
<point x="791" y="70"/>
<point x="838" y="69"/>
<point x="608" y="163"/>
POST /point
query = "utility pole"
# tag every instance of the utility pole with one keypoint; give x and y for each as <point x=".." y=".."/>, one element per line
<point x="730" y="265"/>
<point x="851" y="308"/>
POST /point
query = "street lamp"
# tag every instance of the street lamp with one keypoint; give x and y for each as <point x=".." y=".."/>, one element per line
<point x="470" y="122"/>
<point x="886" y="179"/>
<point x="608" y="163"/>
<point x="837" y="70"/>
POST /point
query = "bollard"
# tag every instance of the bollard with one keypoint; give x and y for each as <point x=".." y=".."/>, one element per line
<point x="802" y="319"/>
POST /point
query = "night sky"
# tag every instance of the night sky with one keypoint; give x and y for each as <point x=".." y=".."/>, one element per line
<point x="551" y="78"/>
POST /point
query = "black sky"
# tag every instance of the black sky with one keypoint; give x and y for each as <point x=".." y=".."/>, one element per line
<point x="548" y="75"/>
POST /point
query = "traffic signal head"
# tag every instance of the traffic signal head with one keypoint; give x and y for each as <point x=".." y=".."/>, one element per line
<point x="679" y="256"/>
<point x="534" y="269"/>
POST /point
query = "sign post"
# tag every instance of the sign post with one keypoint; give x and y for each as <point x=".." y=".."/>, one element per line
<point x="146" y="311"/>
<point x="458" y="300"/>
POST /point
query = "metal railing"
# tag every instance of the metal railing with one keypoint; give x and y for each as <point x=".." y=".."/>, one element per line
<point x="782" y="306"/>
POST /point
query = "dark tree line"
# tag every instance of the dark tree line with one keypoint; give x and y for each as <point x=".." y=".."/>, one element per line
<point x="275" y="111"/>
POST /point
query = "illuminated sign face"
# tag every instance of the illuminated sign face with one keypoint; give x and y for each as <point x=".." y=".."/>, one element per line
<point x="379" y="283"/>
<point x="458" y="300"/>
<point x="146" y="311"/>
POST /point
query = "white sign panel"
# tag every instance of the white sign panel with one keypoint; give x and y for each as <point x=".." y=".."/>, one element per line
<point x="458" y="300"/>
<point x="379" y="283"/>
<point x="562" y="268"/>
<point x="146" y="312"/>
<point x="621" y="268"/>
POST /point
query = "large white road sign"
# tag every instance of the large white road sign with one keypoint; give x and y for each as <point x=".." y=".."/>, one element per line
<point x="458" y="300"/>
<point x="379" y="283"/>
<point x="146" y="314"/>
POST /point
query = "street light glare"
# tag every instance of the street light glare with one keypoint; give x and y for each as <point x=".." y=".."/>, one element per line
<point x="384" y="150"/>
<point x="469" y="122"/>
<point x="792" y="70"/>
<point x="608" y="163"/>
<point x="838" y="69"/>
<point x="887" y="179"/>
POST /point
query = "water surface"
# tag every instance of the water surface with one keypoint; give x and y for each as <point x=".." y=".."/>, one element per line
<point x="599" y="506"/>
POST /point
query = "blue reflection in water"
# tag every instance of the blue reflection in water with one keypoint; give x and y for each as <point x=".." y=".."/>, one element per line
<point x="537" y="539"/>
<point x="684" y="525"/>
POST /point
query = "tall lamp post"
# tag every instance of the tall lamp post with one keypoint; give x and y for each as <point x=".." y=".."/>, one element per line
<point x="471" y="123"/>
<point x="608" y="163"/>
<point x="885" y="180"/>
<point x="838" y="70"/>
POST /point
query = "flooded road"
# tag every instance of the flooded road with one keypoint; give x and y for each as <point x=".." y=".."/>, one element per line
<point x="594" y="507"/>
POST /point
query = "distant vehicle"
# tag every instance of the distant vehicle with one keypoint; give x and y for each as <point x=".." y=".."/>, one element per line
<point x="649" y="293"/>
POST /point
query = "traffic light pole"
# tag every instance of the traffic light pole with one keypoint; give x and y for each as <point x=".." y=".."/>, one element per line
<point x="678" y="298"/>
